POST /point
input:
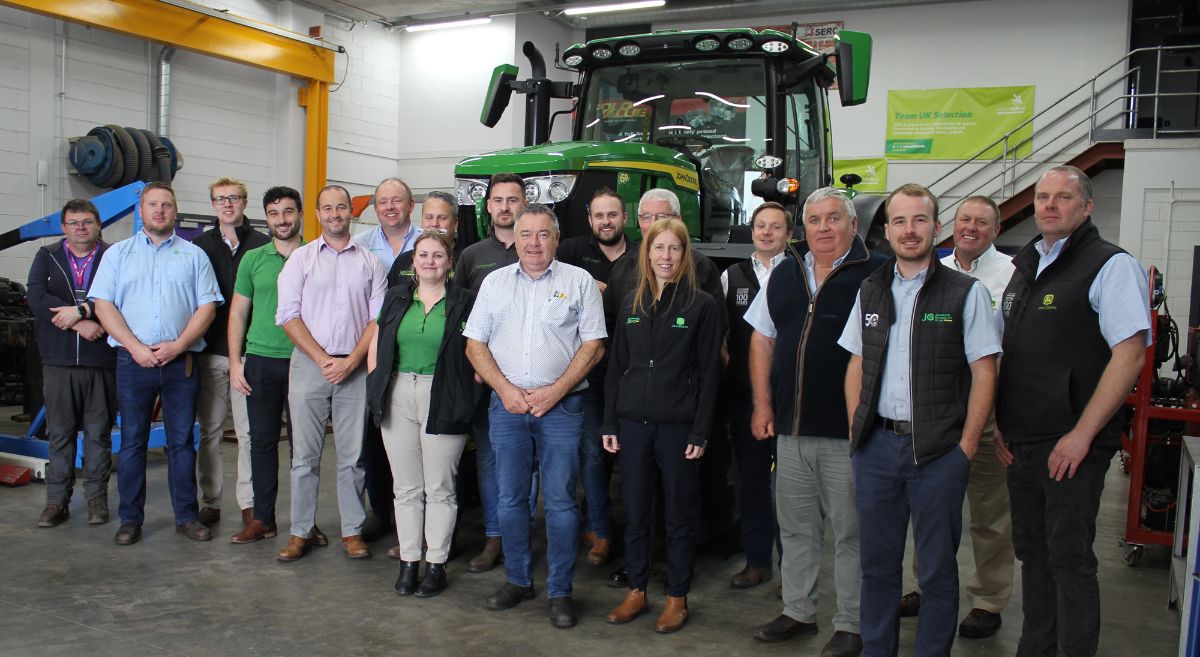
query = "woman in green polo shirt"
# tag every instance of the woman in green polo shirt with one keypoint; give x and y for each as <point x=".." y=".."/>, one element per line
<point x="421" y="391"/>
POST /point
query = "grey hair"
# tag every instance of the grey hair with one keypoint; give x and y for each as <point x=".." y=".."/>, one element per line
<point x="826" y="193"/>
<point x="396" y="181"/>
<point x="447" y="198"/>
<point x="537" y="208"/>
<point x="659" y="194"/>
<point x="1085" y="182"/>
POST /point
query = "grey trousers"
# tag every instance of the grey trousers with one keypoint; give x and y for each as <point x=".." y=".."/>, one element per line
<point x="812" y="482"/>
<point x="215" y="400"/>
<point x="313" y="402"/>
<point x="78" y="398"/>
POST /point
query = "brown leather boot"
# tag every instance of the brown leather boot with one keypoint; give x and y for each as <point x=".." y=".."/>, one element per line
<point x="355" y="547"/>
<point x="631" y="607"/>
<point x="295" y="549"/>
<point x="673" y="616"/>
<point x="247" y="516"/>
<point x="255" y="530"/>
<point x="487" y="560"/>
<point x="598" y="555"/>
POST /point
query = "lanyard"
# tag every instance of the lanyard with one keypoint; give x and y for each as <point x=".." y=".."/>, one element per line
<point x="80" y="270"/>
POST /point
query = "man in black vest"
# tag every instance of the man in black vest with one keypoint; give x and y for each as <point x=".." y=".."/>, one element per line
<point x="598" y="253"/>
<point x="771" y="227"/>
<point x="1077" y="321"/>
<point x="919" y="388"/>
<point x="795" y="366"/>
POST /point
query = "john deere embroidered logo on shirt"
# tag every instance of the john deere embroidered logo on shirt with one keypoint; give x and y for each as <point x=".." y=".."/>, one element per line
<point x="1048" y="303"/>
<point x="633" y="320"/>
<point x="680" y="323"/>
<point x="485" y="265"/>
<point x="940" y="318"/>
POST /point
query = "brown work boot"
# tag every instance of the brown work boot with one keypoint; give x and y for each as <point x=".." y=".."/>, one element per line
<point x="355" y="547"/>
<point x="209" y="516"/>
<point x="98" y="510"/>
<point x="318" y="537"/>
<point x="295" y="549"/>
<point x="255" y="530"/>
<point x="750" y="577"/>
<point x="598" y="555"/>
<point x="493" y="549"/>
<point x="631" y="607"/>
<point x="53" y="515"/>
<point x="910" y="604"/>
<point x="673" y="616"/>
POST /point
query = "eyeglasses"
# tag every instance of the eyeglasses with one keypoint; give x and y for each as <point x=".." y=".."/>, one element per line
<point x="232" y="198"/>
<point x="75" y="225"/>
<point x="658" y="216"/>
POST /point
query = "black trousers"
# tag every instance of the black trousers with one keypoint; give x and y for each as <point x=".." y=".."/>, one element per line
<point x="647" y="449"/>
<point x="377" y="473"/>
<point x="1054" y="527"/>
<point x="78" y="398"/>
<point x="266" y="404"/>
<point x="756" y="501"/>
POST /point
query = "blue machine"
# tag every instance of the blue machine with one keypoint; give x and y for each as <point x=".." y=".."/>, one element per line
<point x="113" y="206"/>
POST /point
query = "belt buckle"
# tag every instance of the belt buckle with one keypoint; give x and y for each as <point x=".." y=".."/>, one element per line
<point x="902" y="427"/>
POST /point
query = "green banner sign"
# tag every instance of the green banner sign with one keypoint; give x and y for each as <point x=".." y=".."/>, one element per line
<point x="872" y="170"/>
<point x="956" y="124"/>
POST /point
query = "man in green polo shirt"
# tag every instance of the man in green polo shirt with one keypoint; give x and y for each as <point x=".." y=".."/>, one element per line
<point x="263" y="374"/>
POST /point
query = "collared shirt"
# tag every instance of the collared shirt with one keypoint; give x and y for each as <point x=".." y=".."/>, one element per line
<point x="481" y="259"/>
<point x="1120" y="294"/>
<point x="376" y="242"/>
<point x="157" y="289"/>
<point x="758" y="315"/>
<point x="534" y="326"/>
<point x="980" y="338"/>
<point x="335" y="293"/>
<point x="257" y="278"/>
<point x="763" y="272"/>
<point x="992" y="268"/>
<point x="584" y="251"/>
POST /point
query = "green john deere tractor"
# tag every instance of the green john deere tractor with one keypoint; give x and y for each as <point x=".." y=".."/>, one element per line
<point x="726" y="119"/>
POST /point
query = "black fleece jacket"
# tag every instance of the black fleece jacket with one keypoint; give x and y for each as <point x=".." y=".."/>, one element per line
<point x="50" y="286"/>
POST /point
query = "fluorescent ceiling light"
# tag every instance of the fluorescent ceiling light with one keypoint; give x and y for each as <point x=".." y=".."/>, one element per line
<point x="618" y="6"/>
<point x="483" y="20"/>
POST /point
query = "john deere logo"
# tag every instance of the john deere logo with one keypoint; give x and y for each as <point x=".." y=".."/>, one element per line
<point x="1048" y="299"/>
<point x="633" y="320"/>
<point x="680" y="323"/>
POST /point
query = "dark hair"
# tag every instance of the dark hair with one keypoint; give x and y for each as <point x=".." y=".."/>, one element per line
<point x="158" y="185"/>
<point x="913" y="189"/>
<point x="772" y="205"/>
<point x="349" y="198"/>
<point x="276" y="194"/>
<point x="79" y="205"/>
<point x="608" y="191"/>
<point x="502" y="178"/>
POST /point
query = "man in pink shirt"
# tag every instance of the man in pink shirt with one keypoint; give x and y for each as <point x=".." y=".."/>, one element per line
<point x="330" y="292"/>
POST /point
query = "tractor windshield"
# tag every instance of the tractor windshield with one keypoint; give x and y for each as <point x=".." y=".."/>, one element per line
<point x="716" y="112"/>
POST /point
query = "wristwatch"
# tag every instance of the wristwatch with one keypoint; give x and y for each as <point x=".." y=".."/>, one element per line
<point x="82" y="311"/>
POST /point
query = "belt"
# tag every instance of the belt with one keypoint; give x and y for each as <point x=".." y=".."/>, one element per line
<point x="898" y="427"/>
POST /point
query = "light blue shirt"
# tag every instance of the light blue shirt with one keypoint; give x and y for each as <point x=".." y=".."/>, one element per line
<point x="981" y="337"/>
<point x="1120" y="294"/>
<point x="156" y="288"/>
<point x="376" y="242"/>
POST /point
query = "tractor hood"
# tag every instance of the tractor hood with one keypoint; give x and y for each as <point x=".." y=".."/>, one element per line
<point x="574" y="156"/>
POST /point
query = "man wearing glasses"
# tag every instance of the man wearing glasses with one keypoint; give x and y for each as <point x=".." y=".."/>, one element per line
<point x="78" y="366"/>
<point x="224" y="244"/>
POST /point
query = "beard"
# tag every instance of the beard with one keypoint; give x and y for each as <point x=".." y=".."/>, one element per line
<point x="612" y="241"/>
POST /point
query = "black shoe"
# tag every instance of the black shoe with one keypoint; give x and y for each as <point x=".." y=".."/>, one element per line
<point x="562" y="612"/>
<point x="619" y="578"/>
<point x="843" y="644"/>
<point x="208" y="516"/>
<point x="508" y="596"/>
<point x="128" y="534"/>
<point x="406" y="583"/>
<point x="434" y="582"/>
<point x="374" y="528"/>
<point x="53" y="515"/>
<point x="194" y="530"/>
<point x="98" y="510"/>
<point x="910" y="604"/>
<point x="979" y="624"/>
<point x="782" y="629"/>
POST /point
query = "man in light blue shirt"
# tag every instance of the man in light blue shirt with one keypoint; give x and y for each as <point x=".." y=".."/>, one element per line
<point x="156" y="295"/>
<point x="395" y="233"/>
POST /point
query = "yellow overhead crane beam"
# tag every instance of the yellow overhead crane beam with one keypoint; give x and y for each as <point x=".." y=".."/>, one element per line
<point x="205" y="30"/>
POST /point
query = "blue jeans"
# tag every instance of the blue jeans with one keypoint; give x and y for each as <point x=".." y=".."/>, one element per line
<point x="554" y="439"/>
<point x="593" y="464"/>
<point x="889" y="488"/>
<point x="137" y="388"/>
<point x="485" y="473"/>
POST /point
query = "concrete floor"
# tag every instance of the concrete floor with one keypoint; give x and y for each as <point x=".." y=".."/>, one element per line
<point x="69" y="590"/>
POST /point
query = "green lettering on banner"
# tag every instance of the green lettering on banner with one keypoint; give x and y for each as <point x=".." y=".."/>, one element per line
<point x="959" y="124"/>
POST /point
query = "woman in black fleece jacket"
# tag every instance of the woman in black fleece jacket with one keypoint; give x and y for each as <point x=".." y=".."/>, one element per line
<point x="659" y="395"/>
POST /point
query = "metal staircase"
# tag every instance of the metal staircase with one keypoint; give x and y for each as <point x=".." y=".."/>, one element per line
<point x="1086" y="128"/>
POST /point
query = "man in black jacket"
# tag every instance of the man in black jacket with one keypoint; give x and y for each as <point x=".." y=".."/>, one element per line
<point x="1076" y="328"/>
<point x="77" y="364"/>
<point x="225" y="244"/>
<point x="794" y="364"/>
<point x="919" y="388"/>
